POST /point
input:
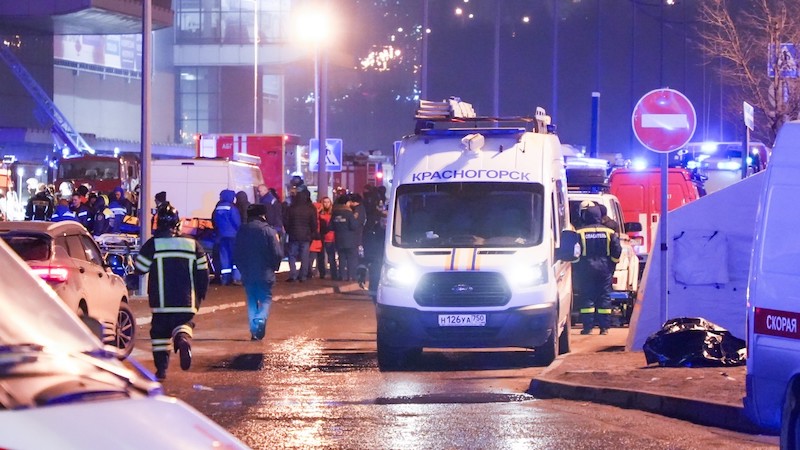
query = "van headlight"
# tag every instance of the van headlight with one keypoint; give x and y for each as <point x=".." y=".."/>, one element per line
<point x="403" y="275"/>
<point x="526" y="276"/>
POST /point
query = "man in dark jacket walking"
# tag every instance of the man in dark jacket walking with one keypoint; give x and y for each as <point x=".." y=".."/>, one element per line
<point x="301" y="226"/>
<point x="258" y="254"/>
<point x="226" y="222"/>
<point x="345" y="230"/>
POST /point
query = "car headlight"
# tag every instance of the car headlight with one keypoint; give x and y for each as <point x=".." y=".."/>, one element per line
<point x="525" y="276"/>
<point x="403" y="275"/>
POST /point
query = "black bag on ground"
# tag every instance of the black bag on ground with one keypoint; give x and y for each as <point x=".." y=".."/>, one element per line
<point x="694" y="342"/>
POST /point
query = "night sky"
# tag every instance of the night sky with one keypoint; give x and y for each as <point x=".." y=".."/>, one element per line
<point x="620" y="48"/>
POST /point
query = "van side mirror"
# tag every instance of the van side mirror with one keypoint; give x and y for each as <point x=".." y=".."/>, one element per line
<point x="633" y="227"/>
<point x="570" y="249"/>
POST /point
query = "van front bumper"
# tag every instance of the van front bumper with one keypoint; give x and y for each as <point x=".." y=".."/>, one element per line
<point x="519" y="327"/>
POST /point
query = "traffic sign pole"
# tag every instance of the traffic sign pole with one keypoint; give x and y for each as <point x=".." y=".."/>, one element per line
<point x="662" y="227"/>
<point x="664" y="120"/>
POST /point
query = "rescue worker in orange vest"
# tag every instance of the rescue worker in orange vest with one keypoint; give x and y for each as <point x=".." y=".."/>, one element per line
<point x="177" y="284"/>
<point x="593" y="273"/>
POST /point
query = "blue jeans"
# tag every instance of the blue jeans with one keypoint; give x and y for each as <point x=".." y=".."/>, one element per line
<point x="259" y="298"/>
<point x="298" y="249"/>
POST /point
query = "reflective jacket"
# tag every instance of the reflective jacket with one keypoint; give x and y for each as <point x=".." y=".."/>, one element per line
<point x="226" y="218"/>
<point x="178" y="269"/>
<point x="40" y="207"/>
<point x="62" y="213"/>
<point x="600" y="251"/>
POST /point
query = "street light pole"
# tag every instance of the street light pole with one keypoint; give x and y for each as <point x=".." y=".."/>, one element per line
<point x="255" y="66"/>
<point x="425" y="37"/>
<point x="321" y="66"/>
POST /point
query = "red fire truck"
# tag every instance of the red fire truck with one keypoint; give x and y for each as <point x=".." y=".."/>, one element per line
<point x="278" y="153"/>
<point x="100" y="173"/>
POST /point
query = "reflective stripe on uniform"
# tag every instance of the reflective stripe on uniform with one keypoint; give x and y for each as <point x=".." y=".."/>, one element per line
<point x="174" y="309"/>
<point x="176" y="247"/>
<point x="603" y="311"/>
<point x="222" y="208"/>
<point x="161" y="345"/>
<point x="587" y="310"/>
<point x="224" y="271"/>
<point x="202" y="263"/>
<point x="185" y="328"/>
<point x="143" y="263"/>
<point x="582" y="233"/>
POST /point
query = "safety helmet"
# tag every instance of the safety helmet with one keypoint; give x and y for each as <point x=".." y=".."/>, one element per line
<point x="590" y="212"/>
<point x="168" y="218"/>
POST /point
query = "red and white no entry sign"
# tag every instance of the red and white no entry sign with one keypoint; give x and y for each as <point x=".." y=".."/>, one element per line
<point x="664" y="120"/>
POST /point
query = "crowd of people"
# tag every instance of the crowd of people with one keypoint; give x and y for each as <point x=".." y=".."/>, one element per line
<point x="340" y="238"/>
<point x="100" y="213"/>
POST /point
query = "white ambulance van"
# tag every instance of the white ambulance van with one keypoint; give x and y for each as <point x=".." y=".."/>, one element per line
<point x="773" y="297"/>
<point x="475" y="220"/>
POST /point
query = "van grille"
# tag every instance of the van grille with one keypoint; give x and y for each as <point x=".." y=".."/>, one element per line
<point x="465" y="289"/>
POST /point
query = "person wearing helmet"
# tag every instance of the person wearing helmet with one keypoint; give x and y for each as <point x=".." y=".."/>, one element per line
<point x="175" y="288"/>
<point x="593" y="272"/>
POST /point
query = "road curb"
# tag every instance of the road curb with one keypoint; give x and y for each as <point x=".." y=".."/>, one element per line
<point x="144" y="320"/>
<point x="712" y="414"/>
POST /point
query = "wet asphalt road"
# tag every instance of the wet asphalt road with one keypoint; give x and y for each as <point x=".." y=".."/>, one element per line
<point x="314" y="383"/>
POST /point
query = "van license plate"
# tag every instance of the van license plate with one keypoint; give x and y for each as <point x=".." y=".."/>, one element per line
<point x="462" y="320"/>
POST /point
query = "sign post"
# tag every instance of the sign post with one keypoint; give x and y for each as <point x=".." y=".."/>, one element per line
<point x="749" y="123"/>
<point x="664" y="120"/>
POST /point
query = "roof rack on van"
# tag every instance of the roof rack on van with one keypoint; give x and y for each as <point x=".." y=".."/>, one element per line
<point x="454" y="111"/>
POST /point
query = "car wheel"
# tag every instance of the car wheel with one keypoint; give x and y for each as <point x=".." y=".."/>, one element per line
<point x="547" y="352"/>
<point x="125" y="331"/>
<point x="790" y="418"/>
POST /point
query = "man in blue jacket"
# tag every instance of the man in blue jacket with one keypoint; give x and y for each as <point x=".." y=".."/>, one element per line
<point x="226" y="220"/>
<point x="258" y="253"/>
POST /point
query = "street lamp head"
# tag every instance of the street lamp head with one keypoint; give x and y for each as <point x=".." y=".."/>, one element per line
<point x="314" y="25"/>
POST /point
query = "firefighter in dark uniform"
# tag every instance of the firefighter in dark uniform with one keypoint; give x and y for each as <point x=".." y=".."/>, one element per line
<point x="594" y="271"/>
<point x="177" y="284"/>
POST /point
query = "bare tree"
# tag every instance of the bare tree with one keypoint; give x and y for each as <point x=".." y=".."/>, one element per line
<point x="747" y="36"/>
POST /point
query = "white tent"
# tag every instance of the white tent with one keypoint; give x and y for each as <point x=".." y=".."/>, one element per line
<point x="708" y="263"/>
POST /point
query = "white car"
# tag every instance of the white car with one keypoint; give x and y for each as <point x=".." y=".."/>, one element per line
<point x="60" y="388"/>
<point x="65" y="256"/>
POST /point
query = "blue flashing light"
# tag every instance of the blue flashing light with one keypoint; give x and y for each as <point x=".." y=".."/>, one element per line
<point x="709" y="147"/>
<point x="639" y="164"/>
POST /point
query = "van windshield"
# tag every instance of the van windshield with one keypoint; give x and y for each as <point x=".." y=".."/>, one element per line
<point x="468" y="215"/>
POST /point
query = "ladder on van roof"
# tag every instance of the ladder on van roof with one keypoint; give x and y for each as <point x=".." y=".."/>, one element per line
<point x="454" y="111"/>
<point x="61" y="129"/>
